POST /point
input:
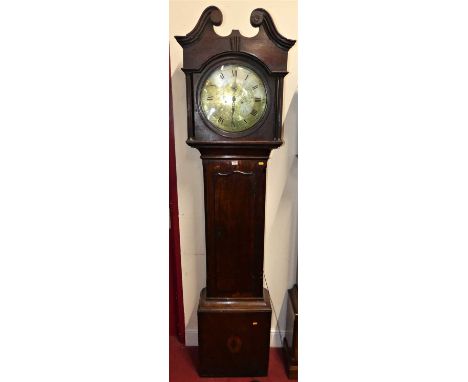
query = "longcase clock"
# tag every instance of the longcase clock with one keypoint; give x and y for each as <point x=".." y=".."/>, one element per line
<point x="234" y="90"/>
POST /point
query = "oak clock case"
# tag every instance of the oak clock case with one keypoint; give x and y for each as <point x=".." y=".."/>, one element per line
<point x="234" y="124"/>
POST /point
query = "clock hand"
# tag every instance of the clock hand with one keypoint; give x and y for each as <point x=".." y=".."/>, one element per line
<point x="234" y="84"/>
<point x="232" y="110"/>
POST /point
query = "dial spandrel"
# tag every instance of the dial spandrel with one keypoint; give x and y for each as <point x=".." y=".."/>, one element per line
<point x="233" y="98"/>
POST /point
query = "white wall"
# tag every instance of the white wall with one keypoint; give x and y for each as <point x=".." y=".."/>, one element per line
<point x="281" y="194"/>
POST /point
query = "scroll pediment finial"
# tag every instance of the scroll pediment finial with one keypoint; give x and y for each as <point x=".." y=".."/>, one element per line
<point x="210" y="16"/>
<point x="261" y="18"/>
<point x="203" y="43"/>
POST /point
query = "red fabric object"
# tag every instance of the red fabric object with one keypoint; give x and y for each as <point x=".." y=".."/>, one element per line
<point x="176" y="301"/>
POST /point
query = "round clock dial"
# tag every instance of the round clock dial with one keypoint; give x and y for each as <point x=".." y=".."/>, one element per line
<point x="233" y="98"/>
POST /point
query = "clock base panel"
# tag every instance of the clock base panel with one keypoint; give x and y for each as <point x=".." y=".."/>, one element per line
<point x="234" y="336"/>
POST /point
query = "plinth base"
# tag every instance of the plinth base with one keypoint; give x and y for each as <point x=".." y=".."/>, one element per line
<point x="234" y="336"/>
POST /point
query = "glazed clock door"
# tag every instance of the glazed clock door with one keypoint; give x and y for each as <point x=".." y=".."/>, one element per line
<point x="235" y="207"/>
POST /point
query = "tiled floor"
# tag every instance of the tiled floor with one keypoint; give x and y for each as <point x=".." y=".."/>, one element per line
<point x="183" y="361"/>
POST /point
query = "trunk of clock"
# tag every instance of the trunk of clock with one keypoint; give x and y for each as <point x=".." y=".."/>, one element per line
<point x="234" y="336"/>
<point x="234" y="314"/>
<point x="235" y="216"/>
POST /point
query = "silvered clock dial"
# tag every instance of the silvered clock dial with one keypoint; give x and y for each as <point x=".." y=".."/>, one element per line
<point x="233" y="98"/>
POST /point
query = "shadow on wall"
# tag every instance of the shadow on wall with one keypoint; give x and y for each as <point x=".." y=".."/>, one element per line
<point x="282" y="230"/>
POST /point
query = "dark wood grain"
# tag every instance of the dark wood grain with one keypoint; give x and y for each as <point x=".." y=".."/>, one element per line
<point x="235" y="218"/>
